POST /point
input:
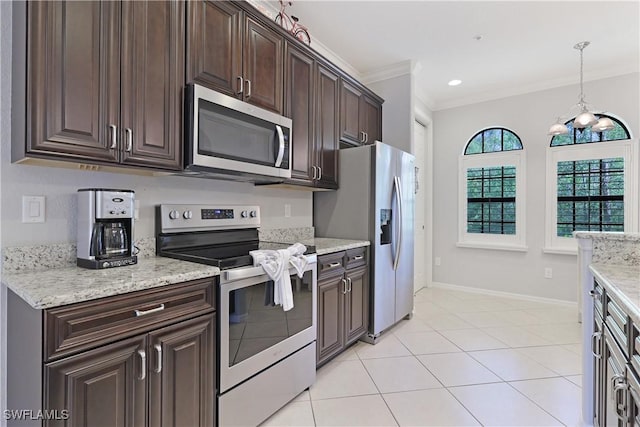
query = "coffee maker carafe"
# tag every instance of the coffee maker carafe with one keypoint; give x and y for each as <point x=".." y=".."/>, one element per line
<point x="105" y="228"/>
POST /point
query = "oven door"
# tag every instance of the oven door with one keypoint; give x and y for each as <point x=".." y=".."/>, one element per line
<point x="227" y="134"/>
<point x="254" y="334"/>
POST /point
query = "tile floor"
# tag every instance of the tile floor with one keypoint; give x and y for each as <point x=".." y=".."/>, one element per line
<point x="464" y="359"/>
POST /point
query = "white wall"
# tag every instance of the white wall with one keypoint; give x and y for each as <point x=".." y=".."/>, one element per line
<point x="60" y="186"/>
<point x="529" y="116"/>
<point x="397" y="110"/>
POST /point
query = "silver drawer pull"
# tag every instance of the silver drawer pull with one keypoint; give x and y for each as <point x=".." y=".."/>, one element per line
<point x="334" y="264"/>
<point x="358" y="257"/>
<point x="153" y="310"/>
<point x="344" y="286"/>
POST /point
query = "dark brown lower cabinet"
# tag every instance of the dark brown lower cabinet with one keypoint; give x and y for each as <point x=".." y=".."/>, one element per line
<point x="101" y="387"/>
<point x="343" y="302"/>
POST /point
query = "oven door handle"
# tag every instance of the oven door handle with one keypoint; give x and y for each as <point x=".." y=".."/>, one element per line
<point x="234" y="275"/>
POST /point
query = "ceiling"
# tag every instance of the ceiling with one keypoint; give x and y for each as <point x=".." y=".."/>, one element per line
<point x="523" y="46"/>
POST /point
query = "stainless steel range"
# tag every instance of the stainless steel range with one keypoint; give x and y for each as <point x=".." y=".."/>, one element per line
<point x="266" y="356"/>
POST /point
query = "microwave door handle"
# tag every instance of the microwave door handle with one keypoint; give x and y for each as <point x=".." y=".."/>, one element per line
<point x="281" y="147"/>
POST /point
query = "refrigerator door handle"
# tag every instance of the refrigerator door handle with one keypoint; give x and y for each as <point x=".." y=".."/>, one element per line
<point x="398" y="193"/>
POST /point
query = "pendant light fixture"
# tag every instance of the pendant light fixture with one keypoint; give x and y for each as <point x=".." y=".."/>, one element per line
<point x="585" y="118"/>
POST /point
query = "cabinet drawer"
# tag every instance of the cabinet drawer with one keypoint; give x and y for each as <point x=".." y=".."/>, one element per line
<point x="617" y="322"/>
<point x="331" y="264"/>
<point x="355" y="257"/>
<point x="77" y="327"/>
<point x="597" y="293"/>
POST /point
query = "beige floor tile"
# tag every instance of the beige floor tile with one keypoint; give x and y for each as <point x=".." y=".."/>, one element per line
<point x="444" y="322"/>
<point x="516" y="336"/>
<point x="556" y="315"/>
<point x="473" y="339"/>
<point x="526" y="304"/>
<point x="341" y="379"/>
<point x="501" y="405"/>
<point x="353" y="411"/>
<point x="517" y="317"/>
<point x="574" y="348"/>
<point x="412" y="325"/>
<point x="456" y="369"/>
<point x="349" y="354"/>
<point x="556" y="358"/>
<point x="428" y="408"/>
<point x="427" y="343"/>
<point x="304" y="396"/>
<point x="558" y="396"/>
<point x="387" y="346"/>
<point x="483" y="319"/>
<point x="294" y="414"/>
<point x="576" y="379"/>
<point x="511" y="365"/>
<point x="558" y="333"/>
<point x="393" y="374"/>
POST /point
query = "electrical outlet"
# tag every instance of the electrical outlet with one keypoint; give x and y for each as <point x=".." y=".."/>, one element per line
<point x="287" y="210"/>
<point x="33" y="209"/>
<point x="438" y="261"/>
<point x="548" y="273"/>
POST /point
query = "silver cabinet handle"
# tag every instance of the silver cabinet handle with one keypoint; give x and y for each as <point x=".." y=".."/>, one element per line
<point x="114" y="136"/>
<point x="398" y="193"/>
<point x="153" y="310"/>
<point x="248" y="89"/>
<point x="595" y="294"/>
<point x="358" y="257"/>
<point x="344" y="286"/>
<point x="319" y="173"/>
<point x="280" y="147"/>
<point x="143" y="360"/>
<point x="129" y="133"/>
<point x="362" y="137"/>
<point x="366" y="137"/>
<point x="334" y="264"/>
<point x="349" y="282"/>
<point x="595" y="337"/>
<point x="158" y="349"/>
<point x="240" y="84"/>
<point x="616" y="387"/>
<point x="315" y="173"/>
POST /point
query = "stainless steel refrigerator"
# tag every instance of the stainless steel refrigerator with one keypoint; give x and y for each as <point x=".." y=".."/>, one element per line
<point x="375" y="202"/>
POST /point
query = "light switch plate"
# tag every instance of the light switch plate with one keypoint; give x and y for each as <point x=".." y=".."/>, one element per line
<point x="33" y="209"/>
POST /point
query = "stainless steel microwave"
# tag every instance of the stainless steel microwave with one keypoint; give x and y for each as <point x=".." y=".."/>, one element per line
<point x="226" y="137"/>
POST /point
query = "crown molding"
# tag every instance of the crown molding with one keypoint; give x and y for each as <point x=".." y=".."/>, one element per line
<point x="390" y="71"/>
<point x="533" y="87"/>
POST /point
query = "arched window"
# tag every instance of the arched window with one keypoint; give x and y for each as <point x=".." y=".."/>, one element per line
<point x="591" y="184"/>
<point x="492" y="191"/>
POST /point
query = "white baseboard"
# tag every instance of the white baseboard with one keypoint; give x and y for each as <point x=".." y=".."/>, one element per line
<point x="490" y="292"/>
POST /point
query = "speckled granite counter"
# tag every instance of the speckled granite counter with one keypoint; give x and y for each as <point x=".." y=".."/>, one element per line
<point x="622" y="283"/>
<point x="61" y="286"/>
<point x="326" y="245"/>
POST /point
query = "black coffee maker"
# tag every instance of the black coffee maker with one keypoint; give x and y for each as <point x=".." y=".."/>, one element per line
<point x="105" y="228"/>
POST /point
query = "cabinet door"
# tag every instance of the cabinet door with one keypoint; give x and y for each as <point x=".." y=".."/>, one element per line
<point x="370" y="119"/>
<point x="599" y="382"/>
<point x="356" y="304"/>
<point x="102" y="387"/>
<point x="299" y="106"/>
<point x="73" y="79"/>
<point x="263" y="71"/>
<point x="152" y="81"/>
<point x="350" y="130"/>
<point x="327" y="142"/>
<point x="330" y="317"/>
<point x="614" y="398"/>
<point x="182" y="374"/>
<point x="214" y="45"/>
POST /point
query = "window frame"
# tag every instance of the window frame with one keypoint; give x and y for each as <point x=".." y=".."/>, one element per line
<point x="627" y="149"/>
<point x="509" y="242"/>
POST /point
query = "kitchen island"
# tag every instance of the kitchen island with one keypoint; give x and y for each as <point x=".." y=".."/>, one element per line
<point x="609" y="289"/>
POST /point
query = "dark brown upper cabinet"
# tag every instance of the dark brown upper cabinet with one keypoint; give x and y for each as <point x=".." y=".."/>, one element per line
<point x="231" y="52"/>
<point x="104" y="82"/>
<point x="360" y="115"/>
<point x="311" y="101"/>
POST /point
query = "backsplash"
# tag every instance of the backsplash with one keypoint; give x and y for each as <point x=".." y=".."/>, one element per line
<point x="286" y="235"/>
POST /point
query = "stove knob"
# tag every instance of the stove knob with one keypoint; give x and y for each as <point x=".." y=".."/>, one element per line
<point x="112" y="212"/>
<point x="174" y="214"/>
<point x="253" y="214"/>
<point x="187" y="214"/>
<point x="243" y="214"/>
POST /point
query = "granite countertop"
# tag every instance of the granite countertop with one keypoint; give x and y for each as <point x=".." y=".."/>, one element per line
<point x="61" y="286"/>
<point x="623" y="284"/>
<point x="327" y="245"/>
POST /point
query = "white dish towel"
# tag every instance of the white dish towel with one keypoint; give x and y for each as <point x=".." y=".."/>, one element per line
<point x="276" y="265"/>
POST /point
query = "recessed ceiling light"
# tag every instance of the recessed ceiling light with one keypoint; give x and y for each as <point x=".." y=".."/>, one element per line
<point x="454" y="82"/>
